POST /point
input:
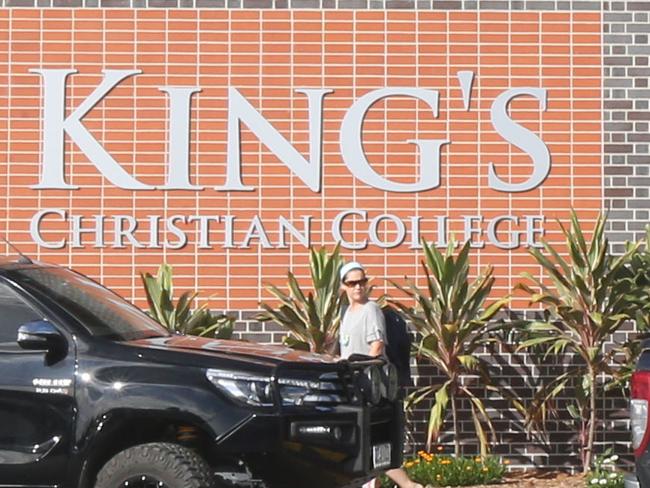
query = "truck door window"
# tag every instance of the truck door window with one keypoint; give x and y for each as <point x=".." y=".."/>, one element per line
<point x="14" y="312"/>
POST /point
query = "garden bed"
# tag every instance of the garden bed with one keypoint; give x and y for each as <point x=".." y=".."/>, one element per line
<point x="540" y="479"/>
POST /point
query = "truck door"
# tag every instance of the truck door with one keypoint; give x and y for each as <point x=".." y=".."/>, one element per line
<point x="36" y="401"/>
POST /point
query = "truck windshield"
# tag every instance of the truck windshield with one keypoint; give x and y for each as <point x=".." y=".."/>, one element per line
<point x="100" y="311"/>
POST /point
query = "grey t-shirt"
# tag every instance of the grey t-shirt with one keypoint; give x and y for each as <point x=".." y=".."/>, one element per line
<point x="360" y="328"/>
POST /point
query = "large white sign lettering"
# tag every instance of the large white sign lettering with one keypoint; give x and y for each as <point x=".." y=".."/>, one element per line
<point x="56" y="125"/>
<point x="174" y="232"/>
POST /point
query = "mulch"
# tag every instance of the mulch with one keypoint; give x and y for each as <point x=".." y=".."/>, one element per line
<point x="540" y="480"/>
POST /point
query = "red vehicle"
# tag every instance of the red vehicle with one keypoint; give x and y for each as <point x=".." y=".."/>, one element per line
<point x="640" y="392"/>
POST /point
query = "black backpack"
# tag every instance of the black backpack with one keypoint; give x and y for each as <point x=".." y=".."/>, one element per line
<point x="398" y="349"/>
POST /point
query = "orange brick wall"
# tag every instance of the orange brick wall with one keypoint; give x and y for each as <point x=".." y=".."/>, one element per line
<point x="267" y="55"/>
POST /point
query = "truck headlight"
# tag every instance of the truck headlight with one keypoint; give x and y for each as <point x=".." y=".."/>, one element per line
<point x="243" y="387"/>
<point x="323" y="392"/>
<point x="294" y="392"/>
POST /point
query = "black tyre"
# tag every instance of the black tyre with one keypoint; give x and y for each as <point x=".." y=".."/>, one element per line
<point x="156" y="465"/>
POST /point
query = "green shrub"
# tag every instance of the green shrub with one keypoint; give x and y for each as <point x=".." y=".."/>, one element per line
<point x="604" y="479"/>
<point x="604" y="473"/>
<point x="445" y="470"/>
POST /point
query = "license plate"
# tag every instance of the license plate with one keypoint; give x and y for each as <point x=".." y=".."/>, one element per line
<point x="381" y="455"/>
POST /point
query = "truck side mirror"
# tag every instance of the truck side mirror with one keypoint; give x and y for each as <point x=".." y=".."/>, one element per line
<point x="39" y="335"/>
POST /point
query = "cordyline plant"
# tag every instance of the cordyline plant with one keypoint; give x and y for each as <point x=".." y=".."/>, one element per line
<point x="452" y="319"/>
<point x="312" y="319"/>
<point x="179" y="317"/>
<point x="585" y="302"/>
<point x="637" y="271"/>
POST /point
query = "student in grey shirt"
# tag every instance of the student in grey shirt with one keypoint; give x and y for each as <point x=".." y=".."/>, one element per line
<point x="363" y="331"/>
<point x="361" y="328"/>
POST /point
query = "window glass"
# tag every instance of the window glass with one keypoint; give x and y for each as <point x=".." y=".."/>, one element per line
<point x="14" y="312"/>
<point x="99" y="310"/>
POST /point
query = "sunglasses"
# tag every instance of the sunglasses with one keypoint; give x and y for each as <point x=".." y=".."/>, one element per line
<point x="353" y="283"/>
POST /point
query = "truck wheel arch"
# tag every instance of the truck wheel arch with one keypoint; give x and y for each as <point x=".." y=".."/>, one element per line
<point x="118" y="431"/>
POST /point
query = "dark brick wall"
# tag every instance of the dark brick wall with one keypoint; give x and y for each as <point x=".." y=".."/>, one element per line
<point x="626" y="138"/>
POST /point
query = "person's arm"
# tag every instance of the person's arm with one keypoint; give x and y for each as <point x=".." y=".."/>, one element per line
<point x="376" y="348"/>
<point x="375" y="330"/>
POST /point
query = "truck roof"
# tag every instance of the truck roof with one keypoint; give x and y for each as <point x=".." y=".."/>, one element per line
<point x="12" y="262"/>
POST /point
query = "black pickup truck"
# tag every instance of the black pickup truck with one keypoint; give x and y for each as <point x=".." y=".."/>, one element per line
<point x="94" y="393"/>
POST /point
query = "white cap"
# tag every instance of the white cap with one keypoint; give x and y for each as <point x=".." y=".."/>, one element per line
<point x="352" y="265"/>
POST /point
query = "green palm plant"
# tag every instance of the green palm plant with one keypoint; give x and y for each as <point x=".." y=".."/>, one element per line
<point x="312" y="319"/>
<point x="452" y="320"/>
<point x="585" y="302"/>
<point x="179" y="317"/>
<point x="637" y="271"/>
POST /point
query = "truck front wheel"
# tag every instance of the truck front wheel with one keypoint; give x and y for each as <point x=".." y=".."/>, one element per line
<point x="155" y="465"/>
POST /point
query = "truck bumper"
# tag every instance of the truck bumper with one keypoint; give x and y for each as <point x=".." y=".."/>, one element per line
<point x="642" y="470"/>
<point x="322" y="448"/>
<point x="631" y="481"/>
